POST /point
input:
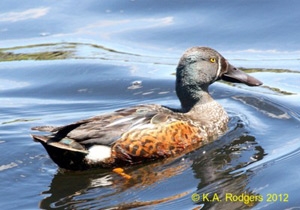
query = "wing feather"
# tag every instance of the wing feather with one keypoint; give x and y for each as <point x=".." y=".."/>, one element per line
<point x="106" y="129"/>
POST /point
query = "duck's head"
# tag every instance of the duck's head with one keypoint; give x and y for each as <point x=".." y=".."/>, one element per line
<point x="201" y="66"/>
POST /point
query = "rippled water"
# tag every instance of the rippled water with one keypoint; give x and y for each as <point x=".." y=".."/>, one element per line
<point x="63" y="62"/>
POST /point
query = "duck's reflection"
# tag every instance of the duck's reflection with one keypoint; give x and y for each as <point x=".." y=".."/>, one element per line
<point x="71" y="189"/>
<point x="220" y="187"/>
<point x="211" y="165"/>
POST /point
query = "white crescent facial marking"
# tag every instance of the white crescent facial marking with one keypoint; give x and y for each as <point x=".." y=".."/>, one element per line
<point x="219" y="68"/>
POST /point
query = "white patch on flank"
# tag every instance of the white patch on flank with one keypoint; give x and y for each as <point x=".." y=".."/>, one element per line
<point x="98" y="153"/>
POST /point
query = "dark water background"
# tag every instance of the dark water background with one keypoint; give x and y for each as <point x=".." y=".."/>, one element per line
<point x="64" y="61"/>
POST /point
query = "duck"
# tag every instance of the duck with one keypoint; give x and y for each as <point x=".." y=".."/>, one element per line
<point x="149" y="132"/>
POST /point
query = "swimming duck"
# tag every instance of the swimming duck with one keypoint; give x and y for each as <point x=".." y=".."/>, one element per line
<point x="147" y="132"/>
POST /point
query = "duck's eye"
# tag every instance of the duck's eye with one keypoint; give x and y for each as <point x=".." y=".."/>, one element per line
<point x="212" y="60"/>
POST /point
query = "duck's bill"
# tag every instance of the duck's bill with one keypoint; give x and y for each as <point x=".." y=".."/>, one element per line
<point x="237" y="76"/>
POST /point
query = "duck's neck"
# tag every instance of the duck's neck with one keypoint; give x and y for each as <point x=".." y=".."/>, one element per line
<point x="192" y="96"/>
<point x="192" y="86"/>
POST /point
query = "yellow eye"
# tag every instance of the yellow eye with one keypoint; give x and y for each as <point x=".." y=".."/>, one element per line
<point x="212" y="60"/>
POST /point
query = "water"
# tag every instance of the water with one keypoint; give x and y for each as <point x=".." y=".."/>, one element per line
<point x="64" y="62"/>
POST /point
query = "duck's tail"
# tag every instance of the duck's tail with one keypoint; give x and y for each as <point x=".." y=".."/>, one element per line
<point x="63" y="155"/>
